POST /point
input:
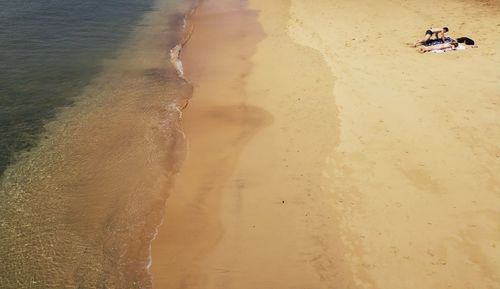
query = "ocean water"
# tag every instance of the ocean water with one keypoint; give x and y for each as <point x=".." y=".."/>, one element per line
<point x="89" y="107"/>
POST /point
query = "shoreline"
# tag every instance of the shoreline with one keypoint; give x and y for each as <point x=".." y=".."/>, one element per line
<point x="81" y="207"/>
<point x="176" y="62"/>
<point x="230" y="106"/>
<point x="320" y="156"/>
<point x="214" y="118"/>
<point x="175" y="52"/>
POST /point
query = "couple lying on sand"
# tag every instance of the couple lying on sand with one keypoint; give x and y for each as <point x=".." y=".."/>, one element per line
<point x="453" y="45"/>
<point x="425" y="45"/>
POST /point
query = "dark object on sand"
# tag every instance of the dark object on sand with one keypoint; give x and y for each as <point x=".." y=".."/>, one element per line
<point x="437" y="41"/>
<point x="465" y="40"/>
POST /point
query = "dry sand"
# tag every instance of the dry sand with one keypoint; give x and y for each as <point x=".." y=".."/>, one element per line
<point x="325" y="153"/>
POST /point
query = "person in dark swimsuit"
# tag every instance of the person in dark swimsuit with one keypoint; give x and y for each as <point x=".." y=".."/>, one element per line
<point x="439" y="33"/>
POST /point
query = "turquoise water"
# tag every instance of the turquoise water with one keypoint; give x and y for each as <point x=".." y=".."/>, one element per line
<point x="88" y="138"/>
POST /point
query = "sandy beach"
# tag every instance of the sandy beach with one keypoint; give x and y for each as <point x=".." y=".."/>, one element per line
<point x="324" y="152"/>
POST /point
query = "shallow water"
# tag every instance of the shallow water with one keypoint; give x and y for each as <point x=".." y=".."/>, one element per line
<point x="49" y="51"/>
<point x="89" y="139"/>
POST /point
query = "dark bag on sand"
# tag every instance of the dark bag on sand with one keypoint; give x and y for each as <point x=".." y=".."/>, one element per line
<point x="465" y="40"/>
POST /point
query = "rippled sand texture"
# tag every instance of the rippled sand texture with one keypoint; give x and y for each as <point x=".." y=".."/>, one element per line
<point x="377" y="167"/>
<point x="80" y="209"/>
<point x="248" y="210"/>
<point x="415" y="175"/>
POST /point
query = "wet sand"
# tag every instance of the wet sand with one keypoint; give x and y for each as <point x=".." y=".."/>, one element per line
<point x="326" y="153"/>
<point x="79" y="210"/>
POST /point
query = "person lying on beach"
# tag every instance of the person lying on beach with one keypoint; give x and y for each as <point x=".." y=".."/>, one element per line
<point x="445" y="46"/>
<point x="439" y="33"/>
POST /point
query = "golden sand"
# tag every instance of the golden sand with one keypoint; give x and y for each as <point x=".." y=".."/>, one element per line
<point x="326" y="153"/>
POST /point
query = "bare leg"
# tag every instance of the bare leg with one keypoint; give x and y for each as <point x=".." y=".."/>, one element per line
<point x="421" y="42"/>
<point x="421" y="50"/>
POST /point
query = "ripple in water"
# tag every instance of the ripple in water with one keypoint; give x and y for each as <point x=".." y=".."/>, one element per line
<point x="79" y="209"/>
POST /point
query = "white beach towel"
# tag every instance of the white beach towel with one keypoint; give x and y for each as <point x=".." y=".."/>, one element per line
<point x="459" y="47"/>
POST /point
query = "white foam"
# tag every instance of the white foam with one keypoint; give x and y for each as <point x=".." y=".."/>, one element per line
<point x="175" y="59"/>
